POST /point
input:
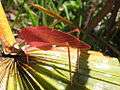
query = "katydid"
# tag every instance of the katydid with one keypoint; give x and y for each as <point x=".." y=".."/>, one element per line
<point x="44" y="38"/>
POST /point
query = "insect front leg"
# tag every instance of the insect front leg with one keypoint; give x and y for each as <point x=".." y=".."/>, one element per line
<point x="25" y="48"/>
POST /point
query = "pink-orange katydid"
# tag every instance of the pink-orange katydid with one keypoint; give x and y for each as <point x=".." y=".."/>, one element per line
<point x="43" y="37"/>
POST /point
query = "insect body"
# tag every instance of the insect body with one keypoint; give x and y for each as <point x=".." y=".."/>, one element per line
<point x="42" y="36"/>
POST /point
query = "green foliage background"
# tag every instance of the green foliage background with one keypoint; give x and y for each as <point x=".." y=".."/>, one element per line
<point x="97" y="19"/>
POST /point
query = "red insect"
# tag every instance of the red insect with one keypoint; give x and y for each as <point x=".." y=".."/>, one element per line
<point x="44" y="38"/>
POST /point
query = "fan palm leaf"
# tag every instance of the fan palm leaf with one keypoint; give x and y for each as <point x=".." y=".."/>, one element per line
<point x="41" y="72"/>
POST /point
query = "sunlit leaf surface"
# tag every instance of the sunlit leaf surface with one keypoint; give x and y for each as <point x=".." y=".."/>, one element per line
<point x="5" y="28"/>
